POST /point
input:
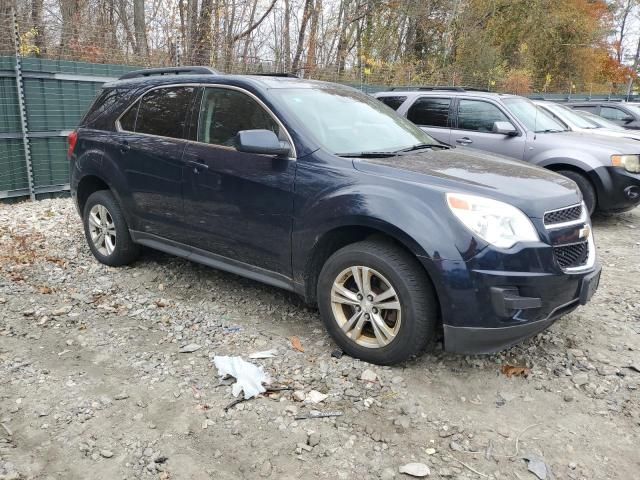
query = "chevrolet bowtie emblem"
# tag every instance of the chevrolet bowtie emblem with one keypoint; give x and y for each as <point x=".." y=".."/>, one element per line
<point x="584" y="232"/>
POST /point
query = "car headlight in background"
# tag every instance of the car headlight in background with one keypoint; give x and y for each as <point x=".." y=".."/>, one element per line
<point x="631" y="163"/>
<point x="498" y="223"/>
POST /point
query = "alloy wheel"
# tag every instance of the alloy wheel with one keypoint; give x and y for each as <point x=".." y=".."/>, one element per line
<point x="102" y="230"/>
<point x="366" y="307"/>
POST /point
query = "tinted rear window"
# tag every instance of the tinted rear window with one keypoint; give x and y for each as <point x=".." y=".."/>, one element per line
<point x="393" y="102"/>
<point x="432" y="112"/>
<point x="161" y="112"/>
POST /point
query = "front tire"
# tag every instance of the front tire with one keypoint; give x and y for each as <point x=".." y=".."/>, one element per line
<point x="107" y="231"/>
<point x="377" y="302"/>
<point x="585" y="186"/>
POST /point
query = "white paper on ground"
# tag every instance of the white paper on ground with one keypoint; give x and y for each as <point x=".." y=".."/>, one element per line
<point x="264" y="354"/>
<point x="249" y="377"/>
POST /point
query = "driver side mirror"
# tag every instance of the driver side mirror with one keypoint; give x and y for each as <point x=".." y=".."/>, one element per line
<point x="628" y="119"/>
<point x="263" y="142"/>
<point x="505" y="128"/>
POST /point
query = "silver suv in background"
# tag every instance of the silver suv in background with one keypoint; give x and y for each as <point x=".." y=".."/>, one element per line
<point x="606" y="170"/>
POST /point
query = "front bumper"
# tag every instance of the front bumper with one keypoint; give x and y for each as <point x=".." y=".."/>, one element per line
<point x="618" y="190"/>
<point x="512" y="307"/>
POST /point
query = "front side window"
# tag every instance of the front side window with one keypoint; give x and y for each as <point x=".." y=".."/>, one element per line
<point x="225" y="112"/>
<point x="479" y="116"/>
<point x="587" y="108"/>
<point x="161" y="112"/>
<point x="393" y="102"/>
<point x="611" y="113"/>
<point x="430" y="112"/>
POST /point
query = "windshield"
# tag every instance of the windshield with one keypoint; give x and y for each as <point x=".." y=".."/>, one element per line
<point x="344" y="121"/>
<point x="601" y="122"/>
<point x="571" y="117"/>
<point x="633" y="108"/>
<point x="532" y="116"/>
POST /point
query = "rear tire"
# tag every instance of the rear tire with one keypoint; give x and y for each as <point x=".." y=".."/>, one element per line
<point x="585" y="186"/>
<point x="107" y="231"/>
<point x="400" y="324"/>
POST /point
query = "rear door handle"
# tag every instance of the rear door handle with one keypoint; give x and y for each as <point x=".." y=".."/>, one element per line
<point x="198" y="165"/>
<point x="464" y="141"/>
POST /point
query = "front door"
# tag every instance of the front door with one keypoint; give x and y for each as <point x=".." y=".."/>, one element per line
<point x="475" y="119"/>
<point x="149" y="147"/>
<point x="238" y="205"/>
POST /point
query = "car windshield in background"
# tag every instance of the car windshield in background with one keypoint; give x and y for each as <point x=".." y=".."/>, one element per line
<point x="601" y="122"/>
<point x="532" y="116"/>
<point x="350" y="123"/>
<point x="571" y="117"/>
<point x="635" y="109"/>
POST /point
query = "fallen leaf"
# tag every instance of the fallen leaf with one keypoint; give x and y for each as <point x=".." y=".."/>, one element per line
<point x="295" y="343"/>
<point x="46" y="290"/>
<point x="515" y="371"/>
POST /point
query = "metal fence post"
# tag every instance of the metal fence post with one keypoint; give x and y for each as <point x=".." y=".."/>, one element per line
<point x="21" y="106"/>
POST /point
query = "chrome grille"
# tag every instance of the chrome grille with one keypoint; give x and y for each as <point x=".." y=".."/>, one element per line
<point x="571" y="256"/>
<point x="563" y="215"/>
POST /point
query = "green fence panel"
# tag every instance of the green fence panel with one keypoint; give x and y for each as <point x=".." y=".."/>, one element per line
<point x="9" y="111"/>
<point x="49" y="161"/>
<point x="13" y="169"/>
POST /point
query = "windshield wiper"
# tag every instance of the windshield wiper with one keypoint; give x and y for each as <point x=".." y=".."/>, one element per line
<point x="422" y="146"/>
<point x="551" y="130"/>
<point x="368" y="154"/>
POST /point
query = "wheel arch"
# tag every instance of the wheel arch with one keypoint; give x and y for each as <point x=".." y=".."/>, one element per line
<point x="340" y="236"/>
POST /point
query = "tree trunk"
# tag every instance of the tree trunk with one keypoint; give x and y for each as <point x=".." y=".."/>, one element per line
<point x="308" y="5"/>
<point x="636" y="59"/>
<point x="70" y="11"/>
<point x="313" y="39"/>
<point x="202" y="47"/>
<point x="36" y="19"/>
<point x="286" y="44"/>
<point x="140" y="28"/>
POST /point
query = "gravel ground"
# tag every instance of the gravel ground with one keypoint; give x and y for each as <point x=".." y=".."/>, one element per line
<point x="96" y="382"/>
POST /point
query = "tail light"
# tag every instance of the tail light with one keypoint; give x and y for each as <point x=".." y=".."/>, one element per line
<point x="72" y="139"/>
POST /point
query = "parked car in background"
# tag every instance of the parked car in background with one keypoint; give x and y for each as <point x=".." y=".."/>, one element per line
<point x="322" y="190"/>
<point x="604" y="123"/>
<point x="577" y="121"/>
<point x="623" y="114"/>
<point x="606" y="170"/>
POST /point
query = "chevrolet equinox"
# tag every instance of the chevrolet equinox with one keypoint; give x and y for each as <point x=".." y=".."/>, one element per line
<point x="319" y="189"/>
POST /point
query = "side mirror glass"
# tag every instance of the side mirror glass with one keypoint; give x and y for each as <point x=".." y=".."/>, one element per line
<point x="505" y="128"/>
<point x="263" y="142"/>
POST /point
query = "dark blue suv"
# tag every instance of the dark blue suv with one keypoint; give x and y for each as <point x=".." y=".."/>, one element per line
<point x="319" y="189"/>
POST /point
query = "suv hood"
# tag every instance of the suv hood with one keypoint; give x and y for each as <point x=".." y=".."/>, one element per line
<point x="532" y="189"/>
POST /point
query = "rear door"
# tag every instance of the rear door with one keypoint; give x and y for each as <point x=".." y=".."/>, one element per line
<point x="238" y="205"/>
<point x="474" y="128"/>
<point x="148" y="147"/>
<point x="432" y="114"/>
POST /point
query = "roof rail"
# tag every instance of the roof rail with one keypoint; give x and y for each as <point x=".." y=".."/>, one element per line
<point x="437" y="87"/>
<point x="149" y="72"/>
<point x="275" y="74"/>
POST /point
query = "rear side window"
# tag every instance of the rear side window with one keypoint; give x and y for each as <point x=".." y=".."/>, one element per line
<point x="104" y="103"/>
<point x="432" y="112"/>
<point x="393" y="102"/>
<point x="161" y="112"/>
<point x="479" y="116"/>
<point x="225" y="112"/>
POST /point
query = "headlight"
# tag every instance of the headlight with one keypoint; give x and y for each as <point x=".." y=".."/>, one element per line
<point x="498" y="223"/>
<point x="631" y="163"/>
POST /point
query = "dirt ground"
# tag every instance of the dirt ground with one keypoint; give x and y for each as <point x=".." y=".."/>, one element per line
<point x="93" y="384"/>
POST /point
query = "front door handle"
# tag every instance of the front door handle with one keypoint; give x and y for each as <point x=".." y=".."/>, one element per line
<point x="464" y="141"/>
<point x="124" y="147"/>
<point x="198" y="165"/>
